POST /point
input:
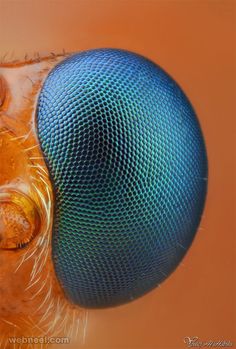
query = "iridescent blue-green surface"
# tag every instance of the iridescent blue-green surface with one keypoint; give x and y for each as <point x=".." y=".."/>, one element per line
<point x="128" y="164"/>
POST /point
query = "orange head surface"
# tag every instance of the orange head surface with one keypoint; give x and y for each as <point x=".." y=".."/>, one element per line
<point x="32" y="302"/>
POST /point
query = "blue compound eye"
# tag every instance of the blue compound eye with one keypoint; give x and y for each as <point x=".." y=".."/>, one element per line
<point x="128" y="164"/>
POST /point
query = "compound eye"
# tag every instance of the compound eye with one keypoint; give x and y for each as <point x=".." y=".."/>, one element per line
<point x="128" y="164"/>
<point x="19" y="220"/>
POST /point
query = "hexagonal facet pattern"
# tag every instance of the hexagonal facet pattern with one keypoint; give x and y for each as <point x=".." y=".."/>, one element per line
<point x="128" y="164"/>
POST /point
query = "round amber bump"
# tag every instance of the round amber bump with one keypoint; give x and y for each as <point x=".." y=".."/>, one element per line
<point x="19" y="220"/>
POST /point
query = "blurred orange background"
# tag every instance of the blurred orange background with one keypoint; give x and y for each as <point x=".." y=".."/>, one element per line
<point x="195" y="42"/>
